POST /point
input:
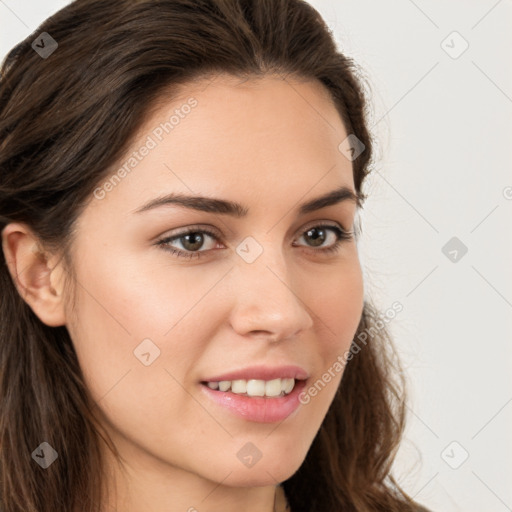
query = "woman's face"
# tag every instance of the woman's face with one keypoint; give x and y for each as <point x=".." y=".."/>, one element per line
<point x="264" y="296"/>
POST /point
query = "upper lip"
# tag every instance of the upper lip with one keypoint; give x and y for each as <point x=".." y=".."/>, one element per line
<point x="262" y="373"/>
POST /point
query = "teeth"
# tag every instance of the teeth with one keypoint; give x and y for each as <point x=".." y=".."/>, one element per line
<point x="254" y="387"/>
<point x="224" y="385"/>
<point x="239" y="386"/>
<point x="273" y="387"/>
<point x="287" y="385"/>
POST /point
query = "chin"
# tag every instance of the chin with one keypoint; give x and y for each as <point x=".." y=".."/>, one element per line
<point x="271" y="469"/>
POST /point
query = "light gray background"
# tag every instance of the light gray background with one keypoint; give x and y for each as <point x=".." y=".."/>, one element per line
<point x="444" y="127"/>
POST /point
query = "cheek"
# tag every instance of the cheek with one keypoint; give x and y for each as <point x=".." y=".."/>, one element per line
<point x="135" y="295"/>
<point x="339" y="305"/>
<point x="126" y="311"/>
<point x="122" y="324"/>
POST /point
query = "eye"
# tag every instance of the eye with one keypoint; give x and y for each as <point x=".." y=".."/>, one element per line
<point x="193" y="239"/>
<point x="319" y="234"/>
<point x="190" y="241"/>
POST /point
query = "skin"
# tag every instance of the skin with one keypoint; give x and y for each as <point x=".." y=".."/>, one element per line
<point x="270" y="147"/>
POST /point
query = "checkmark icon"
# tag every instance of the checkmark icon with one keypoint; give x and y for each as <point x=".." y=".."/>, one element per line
<point x="146" y="351"/>
<point x="351" y="147"/>
<point x="454" y="45"/>
<point x="454" y="249"/>
<point x="44" y="45"/>
<point x="45" y="455"/>
<point x="454" y="455"/>
<point x="249" y="249"/>
<point x="249" y="455"/>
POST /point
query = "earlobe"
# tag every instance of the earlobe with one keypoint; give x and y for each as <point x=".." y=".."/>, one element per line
<point x="36" y="275"/>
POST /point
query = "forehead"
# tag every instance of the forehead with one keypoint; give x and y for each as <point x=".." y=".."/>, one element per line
<point x="262" y="137"/>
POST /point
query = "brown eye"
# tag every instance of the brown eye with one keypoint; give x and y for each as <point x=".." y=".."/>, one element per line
<point x="318" y="235"/>
<point x="191" y="241"/>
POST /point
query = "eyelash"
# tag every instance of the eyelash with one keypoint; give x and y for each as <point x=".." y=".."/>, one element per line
<point x="341" y="234"/>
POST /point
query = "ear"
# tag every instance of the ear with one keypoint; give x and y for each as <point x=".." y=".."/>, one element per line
<point x="37" y="276"/>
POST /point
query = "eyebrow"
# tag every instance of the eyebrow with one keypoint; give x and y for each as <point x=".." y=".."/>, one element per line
<point x="223" y="206"/>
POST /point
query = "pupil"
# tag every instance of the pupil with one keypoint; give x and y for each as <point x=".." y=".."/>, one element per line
<point x="197" y="238"/>
<point x="318" y="239"/>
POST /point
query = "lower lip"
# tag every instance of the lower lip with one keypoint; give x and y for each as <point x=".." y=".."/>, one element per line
<point x="259" y="409"/>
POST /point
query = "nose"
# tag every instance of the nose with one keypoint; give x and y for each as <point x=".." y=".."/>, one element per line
<point x="267" y="301"/>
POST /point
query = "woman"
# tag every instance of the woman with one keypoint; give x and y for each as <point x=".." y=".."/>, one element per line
<point x="184" y="323"/>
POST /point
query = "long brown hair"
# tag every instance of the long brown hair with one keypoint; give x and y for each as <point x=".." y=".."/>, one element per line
<point x="66" y="118"/>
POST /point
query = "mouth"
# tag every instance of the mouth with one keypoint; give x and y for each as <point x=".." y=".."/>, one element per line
<point x="274" y="388"/>
<point x="262" y="401"/>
